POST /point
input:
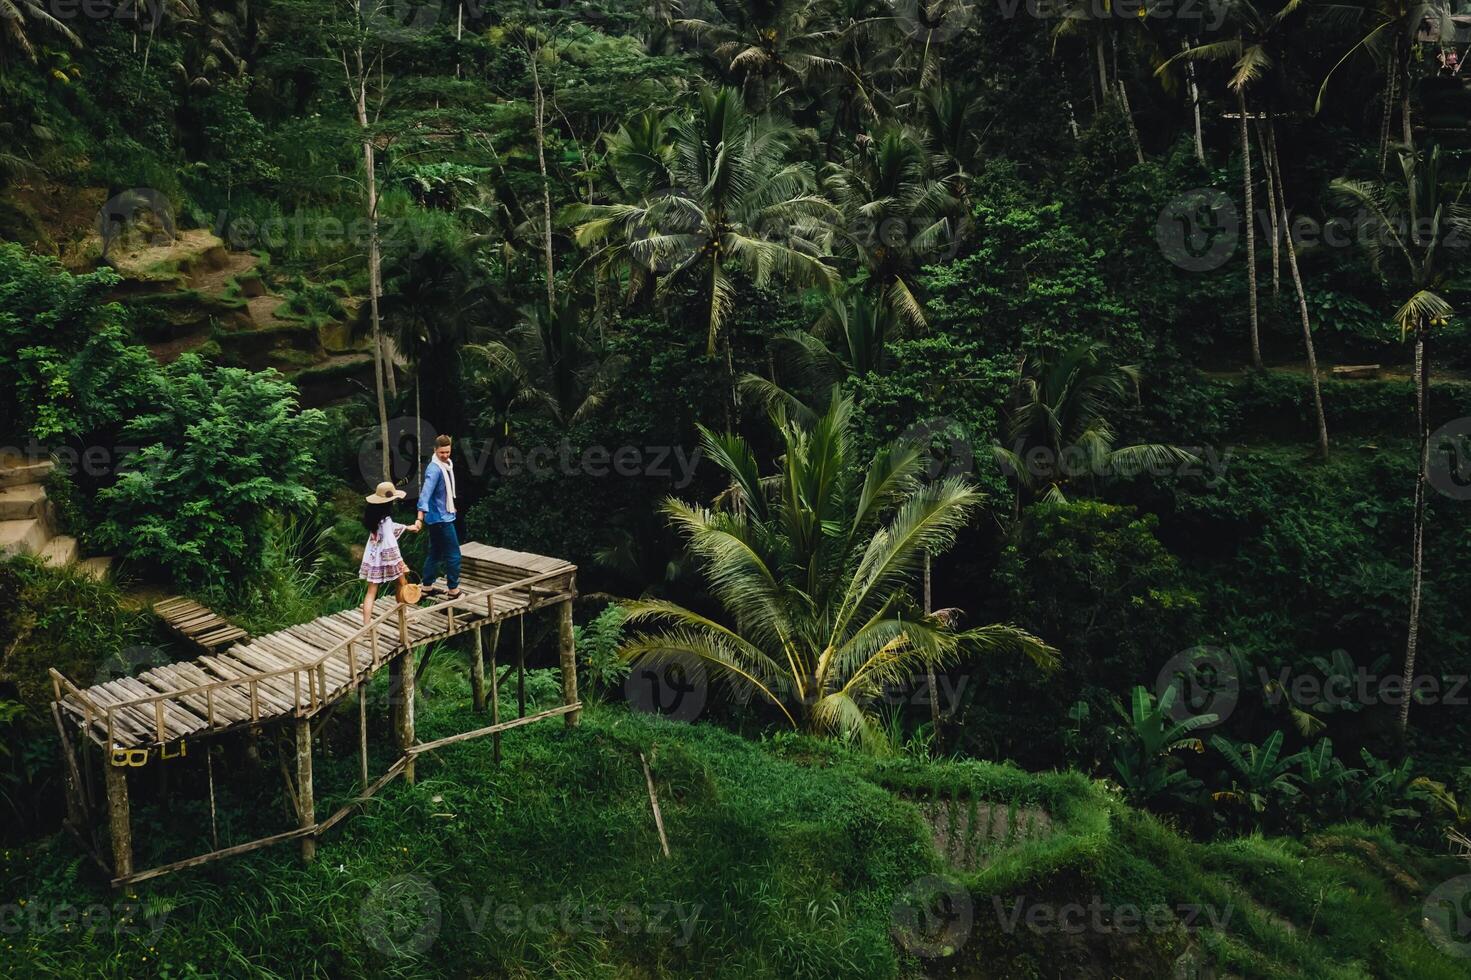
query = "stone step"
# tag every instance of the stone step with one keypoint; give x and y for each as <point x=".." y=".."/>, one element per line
<point x="17" y="470"/>
<point x="99" y="568"/>
<point x="28" y="536"/>
<point x="61" y="550"/>
<point x="24" y="501"/>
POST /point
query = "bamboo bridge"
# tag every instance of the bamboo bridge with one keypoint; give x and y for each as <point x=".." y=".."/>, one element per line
<point x="298" y="675"/>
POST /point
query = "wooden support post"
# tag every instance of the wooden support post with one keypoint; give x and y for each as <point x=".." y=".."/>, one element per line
<point x="76" y="806"/>
<point x="119" y="820"/>
<point x="521" y="668"/>
<point x="495" y="690"/>
<point x="568" y="651"/>
<point x="477" y="671"/>
<point x="401" y="689"/>
<point x="363" y="728"/>
<point x="305" y="806"/>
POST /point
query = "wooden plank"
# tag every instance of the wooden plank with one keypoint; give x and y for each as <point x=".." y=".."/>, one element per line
<point x="163" y="869"/>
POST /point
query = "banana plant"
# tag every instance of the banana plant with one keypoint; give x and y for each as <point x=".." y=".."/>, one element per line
<point x="1144" y="764"/>
<point x="1262" y="779"/>
<point x="1326" y="782"/>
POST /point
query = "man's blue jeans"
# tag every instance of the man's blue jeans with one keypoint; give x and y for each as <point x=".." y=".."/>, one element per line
<point x="444" y="550"/>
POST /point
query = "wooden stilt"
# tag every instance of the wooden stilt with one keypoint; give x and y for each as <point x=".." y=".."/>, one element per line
<point x="76" y="804"/>
<point x="477" y="671"/>
<point x="495" y="692"/>
<point x="401" y="685"/>
<point x="119" y="820"/>
<point x="305" y="805"/>
<point x="363" y="729"/>
<point x="521" y="670"/>
<point x="214" y="827"/>
<point x="567" y="650"/>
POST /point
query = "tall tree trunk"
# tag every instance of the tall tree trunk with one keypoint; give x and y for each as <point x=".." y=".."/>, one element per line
<point x="1417" y="561"/>
<point x="1391" y="81"/>
<point x="546" y="187"/>
<point x="1406" y="121"/>
<point x="1194" y="104"/>
<point x="1102" y="71"/>
<point x="358" y="87"/>
<point x="1249" y="221"/>
<point x="1129" y="122"/>
<point x="1273" y="223"/>
<point x="1302" y="302"/>
<point x="930" y="667"/>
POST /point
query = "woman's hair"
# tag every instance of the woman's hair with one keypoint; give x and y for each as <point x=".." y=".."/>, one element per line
<point x="373" y="515"/>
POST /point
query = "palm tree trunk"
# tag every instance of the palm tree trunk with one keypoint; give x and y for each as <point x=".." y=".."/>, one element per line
<point x="930" y="667"/>
<point x="546" y="190"/>
<point x="1129" y="121"/>
<point x="1271" y="216"/>
<point x="1417" y="561"/>
<point x="1102" y="60"/>
<point x="1194" y="104"/>
<point x="358" y="87"/>
<point x="1302" y="302"/>
<point x="1391" y="78"/>
<point x="1406" y="122"/>
<point x="1250" y="224"/>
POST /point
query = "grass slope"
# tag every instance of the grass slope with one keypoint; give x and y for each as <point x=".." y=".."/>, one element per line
<point x="791" y="858"/>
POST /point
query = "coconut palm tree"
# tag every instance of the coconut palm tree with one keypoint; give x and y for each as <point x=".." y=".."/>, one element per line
<point x="1058" y="423"/>
<point x="733" y="202"/>
<point x="18" y="16"/>
<point x="1409" y="228"/>
<point x="1258" y="50"/>
<point x="775" y="48"/>
<point x="560" y="358"/>
<point x="813" y="567"/>
<point x="850" y="339"/>
<point x="895" y="216"/>
<point x="1389" y="28"/>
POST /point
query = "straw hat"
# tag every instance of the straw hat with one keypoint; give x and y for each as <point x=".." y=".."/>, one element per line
<point x="385" y="494"/>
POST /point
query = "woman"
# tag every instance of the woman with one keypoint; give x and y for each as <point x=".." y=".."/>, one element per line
<point x="381" y="559"/>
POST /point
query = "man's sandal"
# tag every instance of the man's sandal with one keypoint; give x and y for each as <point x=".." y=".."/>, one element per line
<point x="453" y="594"/>
<point x="433" y="591"/>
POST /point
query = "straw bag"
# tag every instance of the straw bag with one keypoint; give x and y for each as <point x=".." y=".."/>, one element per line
<point x="410" y="592"/>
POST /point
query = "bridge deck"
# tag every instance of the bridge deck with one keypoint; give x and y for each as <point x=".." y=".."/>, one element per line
<point x="302" y="670"/>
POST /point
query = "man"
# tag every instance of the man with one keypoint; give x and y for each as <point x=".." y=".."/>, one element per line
<point x="437" y="509"/>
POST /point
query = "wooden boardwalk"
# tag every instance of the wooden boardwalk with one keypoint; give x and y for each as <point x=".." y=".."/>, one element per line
<point x="295" y="675"/>
<point x="198" y="624"/>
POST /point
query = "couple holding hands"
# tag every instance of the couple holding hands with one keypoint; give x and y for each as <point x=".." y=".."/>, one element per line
<point x="382" y="561"/>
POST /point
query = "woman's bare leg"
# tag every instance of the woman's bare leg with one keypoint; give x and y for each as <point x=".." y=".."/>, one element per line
<point x="368" y="603"/>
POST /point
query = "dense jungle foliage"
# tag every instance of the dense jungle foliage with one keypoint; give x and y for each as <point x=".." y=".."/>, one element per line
<point x="1024" y="448"/>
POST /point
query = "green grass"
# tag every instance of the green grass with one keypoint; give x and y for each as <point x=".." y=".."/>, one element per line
<point x="789" y="857"/>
